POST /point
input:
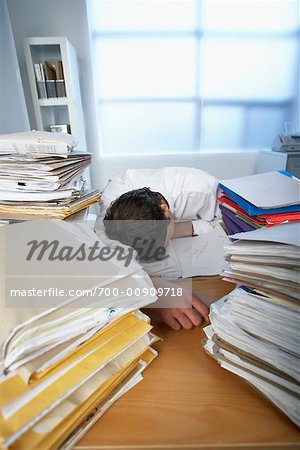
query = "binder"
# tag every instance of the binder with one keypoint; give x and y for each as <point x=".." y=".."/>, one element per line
<point x="41" y="88"/>
<point x="60" y="82"/>
<point x="267" y="193"/>
<point x="51" y="88"/>
<point x="60" y="88"/>
<point x="50" y="73"/>
<point x="253" y="210"/>
<point x="40" y="81"/>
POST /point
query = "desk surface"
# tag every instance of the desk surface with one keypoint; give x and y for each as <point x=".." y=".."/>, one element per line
<point x="187" y="401"/>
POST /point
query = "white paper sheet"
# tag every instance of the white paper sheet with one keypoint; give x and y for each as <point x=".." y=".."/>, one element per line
<point x="266" y="190"/>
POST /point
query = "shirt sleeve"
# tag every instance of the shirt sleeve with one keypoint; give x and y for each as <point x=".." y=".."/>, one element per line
<point x="197" y="198"/>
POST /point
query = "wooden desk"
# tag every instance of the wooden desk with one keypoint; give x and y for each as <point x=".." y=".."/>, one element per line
<point x="187" y="401"/>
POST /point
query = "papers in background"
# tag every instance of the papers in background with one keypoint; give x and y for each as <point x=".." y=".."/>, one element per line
<point x="42" y="177"/>
<point x="267" y="258"/>
<point x="269" y="190"/>
<point x="54" y="209"/>
<point x="201" y="255"/>
<point x="42" y="142"/>
<point x="25" y="175"/>
<point x="256" y="336"/>
<point x="45" y="187"/>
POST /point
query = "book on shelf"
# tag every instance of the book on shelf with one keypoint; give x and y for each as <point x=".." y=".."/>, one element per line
<point x="50" y="79"/>
<point x="60" y="82"/>
<point x="40" y="80"/>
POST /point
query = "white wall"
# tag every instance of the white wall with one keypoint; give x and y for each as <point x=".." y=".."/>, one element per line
<point x="57" y="18"/>
<point x="13" y="111"/>
<point x="221" y="165"/>
<point x="69" y="18"/>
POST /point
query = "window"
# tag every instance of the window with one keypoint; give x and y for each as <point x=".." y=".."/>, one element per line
<point x="184" y="75"/>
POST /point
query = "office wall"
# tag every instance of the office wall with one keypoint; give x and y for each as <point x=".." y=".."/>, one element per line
<point x="56" y="18"/>
<point x="13" y="111"/>
<point x="69" y="18"/>
<point x="221" y="165"/>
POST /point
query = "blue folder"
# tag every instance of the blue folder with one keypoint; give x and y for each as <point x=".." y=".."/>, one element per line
<point x="253" y="210"/>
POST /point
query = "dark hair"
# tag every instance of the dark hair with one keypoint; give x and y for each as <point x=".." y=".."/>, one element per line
<point x="136" y="219"/>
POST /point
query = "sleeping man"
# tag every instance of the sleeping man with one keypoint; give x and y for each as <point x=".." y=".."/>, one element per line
<point x="162" y="204"/>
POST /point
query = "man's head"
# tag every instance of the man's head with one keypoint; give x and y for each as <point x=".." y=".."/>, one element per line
<point x="138" y="215"/>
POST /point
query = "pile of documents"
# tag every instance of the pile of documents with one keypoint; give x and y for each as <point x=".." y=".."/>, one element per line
<point x="267" y="258"/>
<point x="254" y="330"/>
<point x="64" y="366"/>
<point x="41" y="176"/>
<point x="256" y="336"/>
<point x="256" y="201"/>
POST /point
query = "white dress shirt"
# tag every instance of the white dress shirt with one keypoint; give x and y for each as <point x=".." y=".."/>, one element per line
<point x="191" y="193"/>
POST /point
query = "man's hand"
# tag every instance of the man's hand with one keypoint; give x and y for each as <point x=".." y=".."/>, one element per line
<point x="178" y="317"/>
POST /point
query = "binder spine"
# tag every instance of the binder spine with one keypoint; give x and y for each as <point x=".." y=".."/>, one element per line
<point x="41" y="89"/>
<point x="40" y="81"/>
<point x="51" y="88"/>
<point x="60" y="88"/>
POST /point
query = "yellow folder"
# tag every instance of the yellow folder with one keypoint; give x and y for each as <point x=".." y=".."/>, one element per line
<point x="33" y="439"/>
<point x="34" y="408"/>
<point x="12" y="386"/>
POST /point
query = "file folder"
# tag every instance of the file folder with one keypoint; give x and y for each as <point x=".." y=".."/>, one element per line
<point x="268" y="193"/>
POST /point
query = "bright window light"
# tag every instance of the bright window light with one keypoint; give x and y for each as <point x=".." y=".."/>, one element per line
<point x="146" y="68"/>
<point x="175" y="76"/>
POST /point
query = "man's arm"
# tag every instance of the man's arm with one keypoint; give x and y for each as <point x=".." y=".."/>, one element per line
<point x="183" y="229"/>
<point x="193" y="228"/>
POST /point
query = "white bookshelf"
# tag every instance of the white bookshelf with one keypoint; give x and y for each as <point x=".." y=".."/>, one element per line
<point x="56" y="110"/>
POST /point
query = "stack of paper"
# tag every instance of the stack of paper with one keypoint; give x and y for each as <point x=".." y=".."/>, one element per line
<point x="267" y="259"/>
<point x="40" y="142"/>
<point x="64" y="366"/>
<point x="255" y="201"/>
<point x="256" y="336"/>
<point x="254" y="330"/>
<point x="41" y="176"/>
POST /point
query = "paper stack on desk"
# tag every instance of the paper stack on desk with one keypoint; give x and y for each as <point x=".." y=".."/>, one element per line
<point x="41" y="176"/>
<point x="260" y="200"/>
<point x="256" y="336"/>
<point x="64" y="366"/>
<point x="254" y="330"/>
<point x="267" y="259"/>
<point x="40" y="142"/>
